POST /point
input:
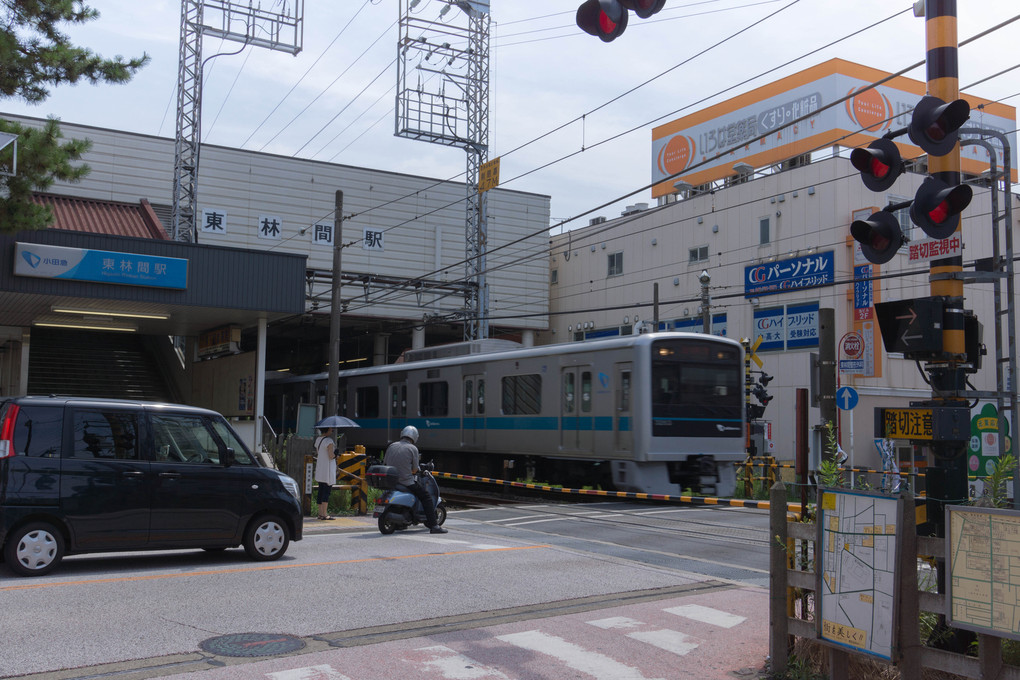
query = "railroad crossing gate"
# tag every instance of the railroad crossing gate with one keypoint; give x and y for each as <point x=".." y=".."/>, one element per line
<point x="351" y="475"/>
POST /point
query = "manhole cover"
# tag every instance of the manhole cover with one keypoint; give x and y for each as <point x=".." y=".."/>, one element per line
<point x="252" y="644"/>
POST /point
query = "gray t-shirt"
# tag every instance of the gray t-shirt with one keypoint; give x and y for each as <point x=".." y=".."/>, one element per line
<point x="402" y="455"/>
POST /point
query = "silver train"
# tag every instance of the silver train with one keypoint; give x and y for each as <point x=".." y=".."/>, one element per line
<point x="656" y="413"/>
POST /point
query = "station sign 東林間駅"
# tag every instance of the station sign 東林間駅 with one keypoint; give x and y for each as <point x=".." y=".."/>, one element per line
<point x="782" y="276"/>
<point x="99" y="266"/>
<point x="757" y="127"/>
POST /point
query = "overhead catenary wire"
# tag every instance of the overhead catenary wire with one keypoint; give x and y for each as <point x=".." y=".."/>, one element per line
<point x="616" y="224"/>
<point x="643" y="188"/>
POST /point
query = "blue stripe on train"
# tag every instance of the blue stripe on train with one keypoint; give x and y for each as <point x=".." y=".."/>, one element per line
<point x="542" y="423"/>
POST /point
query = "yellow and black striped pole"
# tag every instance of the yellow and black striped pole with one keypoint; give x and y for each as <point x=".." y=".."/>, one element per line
<point x="945" y="275"/>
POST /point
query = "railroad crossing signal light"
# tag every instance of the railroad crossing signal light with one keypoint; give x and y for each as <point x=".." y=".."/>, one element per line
<point x="606" y="19"/>
<point x="880" y="164"/>
<point x="643" y="8"/>
<point x="765" y="379"/>
<point x="759" y="392"/>
<point x="934" y="124"/>
<point x="937" y="207"/>
<point x="879" y="235"/>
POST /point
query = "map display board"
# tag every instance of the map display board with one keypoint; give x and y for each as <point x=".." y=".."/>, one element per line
<point x="983" y="559"/>
<point x="858" y="547"/>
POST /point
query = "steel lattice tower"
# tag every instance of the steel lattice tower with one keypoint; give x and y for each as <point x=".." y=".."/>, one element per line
<point x="449" y="104"/>
<point x="282" y="31"/>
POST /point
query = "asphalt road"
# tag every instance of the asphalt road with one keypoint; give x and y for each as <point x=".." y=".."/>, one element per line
<point x="148" y="614"/>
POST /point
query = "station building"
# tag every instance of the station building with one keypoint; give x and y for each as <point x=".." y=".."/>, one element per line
<point x="757" y="194"/>
<point x="252" y="295"/>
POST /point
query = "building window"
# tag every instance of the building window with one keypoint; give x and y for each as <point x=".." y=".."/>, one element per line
<point x="699" y="254"/>
<point x="615" y="264"/>
<point x="764" y="235"/>
<point x="902" y="217"/>
<point x="554" y="276"/>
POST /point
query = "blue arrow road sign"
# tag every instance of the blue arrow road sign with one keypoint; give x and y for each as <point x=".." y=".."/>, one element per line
<point x="846" y="398"/>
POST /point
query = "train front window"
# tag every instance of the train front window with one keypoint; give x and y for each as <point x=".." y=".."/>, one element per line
<point x="695" y="386"/>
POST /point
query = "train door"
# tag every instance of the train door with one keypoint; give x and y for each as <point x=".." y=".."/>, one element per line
<point x="576" y="415"/>
<point x="397" y="410"/>
<point x="622" y="422"/>
<point x="473" y="423"/>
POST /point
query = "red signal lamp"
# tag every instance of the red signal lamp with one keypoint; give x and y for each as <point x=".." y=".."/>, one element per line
<point x="934" y="125"/>
<point x="605" y="19"/>
<point x="880" y="236"/>
<point x="937" y="207"/>
<point x="880" y="164"/>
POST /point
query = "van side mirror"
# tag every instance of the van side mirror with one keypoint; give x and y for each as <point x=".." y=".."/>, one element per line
<point x="228" y="457"/>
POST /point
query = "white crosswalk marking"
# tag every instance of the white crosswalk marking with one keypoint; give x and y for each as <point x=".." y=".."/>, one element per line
<point x="452" y="665"/>
<point x="707" y="615"/>
<point x="616" y="622"/>
<point x="670" y="640"/>
<point x="592" y="663"/>
<point x="449" y="542"/>
<point x="323" y="672"/>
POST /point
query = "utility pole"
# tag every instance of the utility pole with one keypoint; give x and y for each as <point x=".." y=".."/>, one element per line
<point x="332" y="384"/>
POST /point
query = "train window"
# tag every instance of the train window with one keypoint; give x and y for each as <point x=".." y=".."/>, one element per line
<point x="481" y="397"/>
<point x="469" y="397"/>
<point x="569" y="405"/>
<point x="522" y="395"/>
<point x="624" y="392"/>
<point x="433" y="399"/>
<point x="585" y="392"/>
<point x="366" y="402"/>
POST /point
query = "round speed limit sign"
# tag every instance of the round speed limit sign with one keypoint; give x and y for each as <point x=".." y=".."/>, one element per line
<point x="853" y="345"/>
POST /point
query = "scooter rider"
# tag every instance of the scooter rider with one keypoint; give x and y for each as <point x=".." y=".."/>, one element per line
<point x="403" y="455"/>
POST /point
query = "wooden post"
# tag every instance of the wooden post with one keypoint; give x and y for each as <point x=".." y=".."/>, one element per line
<point x="909" y="640"/>
<point x="839" y="665"/>
<point x="989" y="656"/>
<point x="779" y="627"/>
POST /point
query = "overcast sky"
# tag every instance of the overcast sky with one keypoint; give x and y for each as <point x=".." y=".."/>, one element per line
<point x="545" y="73"/>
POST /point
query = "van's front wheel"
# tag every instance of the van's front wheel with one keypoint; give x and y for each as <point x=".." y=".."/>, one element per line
<point x="266" y="539"/>
<point x="34" y="549"/>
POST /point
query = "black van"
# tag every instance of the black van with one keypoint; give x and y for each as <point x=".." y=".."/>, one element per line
<point x="84" y="475"/>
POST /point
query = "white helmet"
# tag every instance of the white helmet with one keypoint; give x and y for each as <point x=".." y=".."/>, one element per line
<point x="411" y="432"/>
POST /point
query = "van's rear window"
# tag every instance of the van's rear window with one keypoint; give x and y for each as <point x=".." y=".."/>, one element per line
<point x="38" y="431"/>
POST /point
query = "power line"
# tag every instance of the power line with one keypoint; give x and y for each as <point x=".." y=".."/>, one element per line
<point x="305" y="74"/>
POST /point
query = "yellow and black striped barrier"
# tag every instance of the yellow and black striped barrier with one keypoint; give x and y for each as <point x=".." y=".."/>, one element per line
<point x="351" y="469"/>
<point x="694" y="500"/>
